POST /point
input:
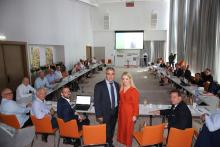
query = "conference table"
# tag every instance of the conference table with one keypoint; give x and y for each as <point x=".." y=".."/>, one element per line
<point x="144" y="109"/>
<point x="65" y="81"/>
<point x="71" y="78"/>
<point x="211" y="101"/>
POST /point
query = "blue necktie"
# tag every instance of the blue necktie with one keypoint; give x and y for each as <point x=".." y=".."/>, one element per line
<point x="112" y="95"/>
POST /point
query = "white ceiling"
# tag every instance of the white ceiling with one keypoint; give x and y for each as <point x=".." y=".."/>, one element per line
<point x="97" y="2"/>
<point x="116" y="1"/>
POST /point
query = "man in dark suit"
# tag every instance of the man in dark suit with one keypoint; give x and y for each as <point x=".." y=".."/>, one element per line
<point x="106" y="100"/>
<point x="178" y="71"/>
<point x="67" y="113"/>
<point x="186" y="72"/>
<point x="179" y="115"/>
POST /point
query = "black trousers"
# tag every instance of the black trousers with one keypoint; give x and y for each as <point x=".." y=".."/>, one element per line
<point x="110" y="122"/>
<point x="27" y="123"/>
<point x="54" y="126"/>
<point x="207" y="138"/>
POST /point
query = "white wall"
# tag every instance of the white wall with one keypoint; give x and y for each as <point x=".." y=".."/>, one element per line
<point x="51" y="22"/>
<point x="135" y="18"/>
<point x="122" y="18"/>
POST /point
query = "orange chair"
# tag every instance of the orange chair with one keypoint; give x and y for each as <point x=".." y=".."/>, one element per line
<point x="150" y="135"/>
<point x="68" y="129"/>
<point x="94" y="135"/>
<point x="180" y="138"/>
<point x="10" y="120"/>
<point x="43" y="126"/>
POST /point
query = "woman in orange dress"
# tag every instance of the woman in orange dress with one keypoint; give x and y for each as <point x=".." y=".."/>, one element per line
<point x="128" y="109"/>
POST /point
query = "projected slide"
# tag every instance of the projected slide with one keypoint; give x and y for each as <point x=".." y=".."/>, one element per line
<point x="129" y="40"/>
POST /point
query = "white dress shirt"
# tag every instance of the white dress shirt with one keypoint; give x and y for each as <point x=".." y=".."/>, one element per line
<point x="23" y="91"/>
<point x="213" y="121"/>
<point x="39" y="108"/>
<point x="41" y="83"/>
<point x="58" y="75"/>
<point x="11" y="107"/>
<point x="68" y="100"/>
<point x="115" y="92"/>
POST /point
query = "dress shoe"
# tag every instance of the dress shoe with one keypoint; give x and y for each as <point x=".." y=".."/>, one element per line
<point x="68" y="141"/>
<point x="77" y="143"/>
<point x="44" y="137"/>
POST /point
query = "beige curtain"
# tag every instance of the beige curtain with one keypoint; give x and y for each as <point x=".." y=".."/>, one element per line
<point x="194" y="33"/>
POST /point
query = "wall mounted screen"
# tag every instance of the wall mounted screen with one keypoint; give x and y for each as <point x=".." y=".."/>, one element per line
<point x="129" y="39"/>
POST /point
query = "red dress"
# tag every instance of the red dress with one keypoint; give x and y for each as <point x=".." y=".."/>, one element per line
<point x="128" y="107"/>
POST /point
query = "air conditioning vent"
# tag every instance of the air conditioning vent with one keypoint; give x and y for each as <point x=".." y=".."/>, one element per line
<point x="106" y="22"/>
<point x="154" y="20"/>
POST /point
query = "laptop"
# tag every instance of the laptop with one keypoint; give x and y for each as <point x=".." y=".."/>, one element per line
<point x="83" y="102"/>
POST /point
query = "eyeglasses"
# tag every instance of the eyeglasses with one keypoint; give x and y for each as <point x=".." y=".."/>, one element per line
<point x="9" y="93"/>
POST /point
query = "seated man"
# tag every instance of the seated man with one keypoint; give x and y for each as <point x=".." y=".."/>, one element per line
<point x="40" y="109"/>
<point x="197" y="80"/>
<point x="51" y="77"/>
<point x="41" y="81"/>
<point x="179" y="115"/>
<point x="58" y="74"/>
<point x="178" y="71"/>
<point x="94" y="61"/>
<point x="186" y="72"/>
<point x="213" y="88"/>
<point x="75" y="69"/>
<point x="81" y="64"/>
<point x="24" y="90"/>
<point x="8" y="106"/>
<point x="210" y="133"/>
<point x="65" y="112"/>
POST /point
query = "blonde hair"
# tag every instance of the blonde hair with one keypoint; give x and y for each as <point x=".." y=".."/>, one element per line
<point x="131" y="80"/>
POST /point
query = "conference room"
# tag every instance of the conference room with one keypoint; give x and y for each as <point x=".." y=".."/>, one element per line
<point x="111" y="73"/>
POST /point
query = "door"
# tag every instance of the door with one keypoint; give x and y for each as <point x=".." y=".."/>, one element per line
<point x="99" y="53"/>
<point x="88" y="52"/>
<point x="14" y="62"/>
<point x="3" y="77"/>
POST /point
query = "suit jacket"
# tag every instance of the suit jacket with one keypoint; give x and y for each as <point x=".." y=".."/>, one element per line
<point x="102" y="99"/>
<point x="187" y="74"/>
<point x="178" y="72"/>
<point x="179" y="117"/>
<point x="64" y="110"/>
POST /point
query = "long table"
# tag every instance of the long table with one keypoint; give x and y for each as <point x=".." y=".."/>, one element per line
<point x="212" y="101"/>
<point x="65" y="81"/>
<point x="144" y="110"/>
<point x="71" y="78"/>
